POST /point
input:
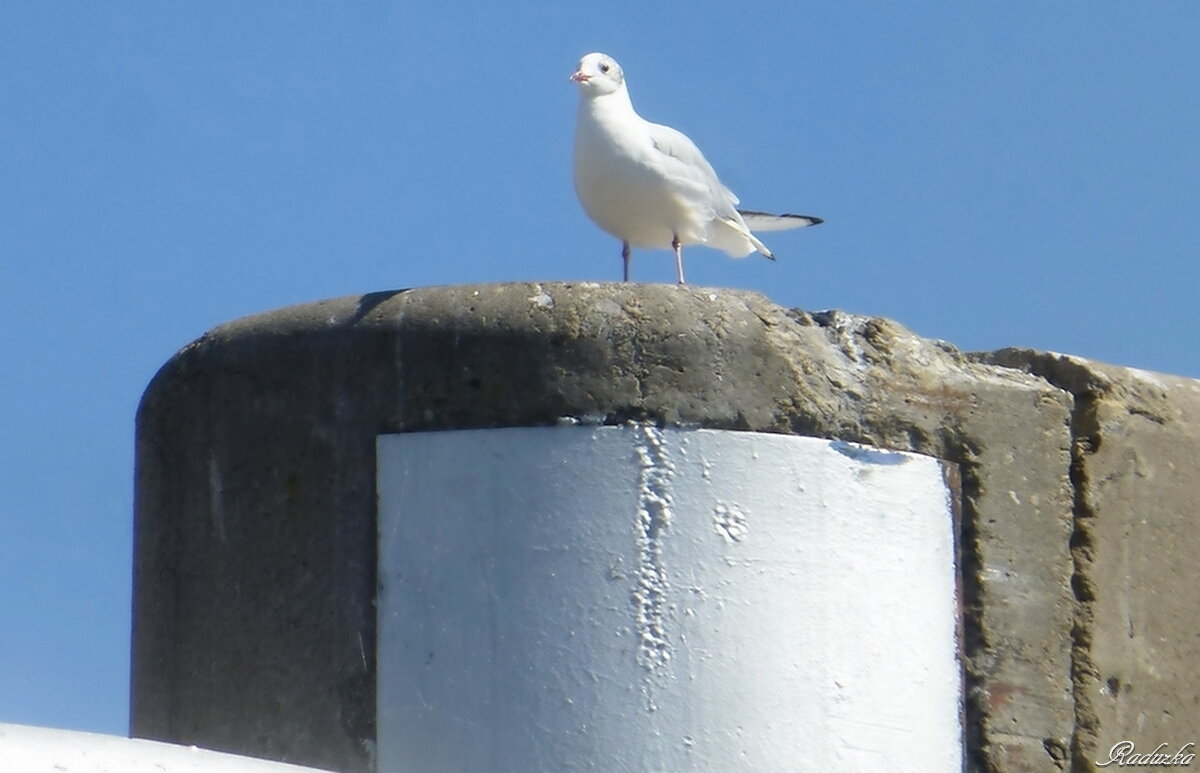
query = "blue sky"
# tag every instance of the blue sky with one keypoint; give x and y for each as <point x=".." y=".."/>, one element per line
<point x="991" y="174"/>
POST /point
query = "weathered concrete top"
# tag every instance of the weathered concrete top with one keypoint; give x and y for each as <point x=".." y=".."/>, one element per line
<point x="528" y="353"/>
<point x="259" y="438"/>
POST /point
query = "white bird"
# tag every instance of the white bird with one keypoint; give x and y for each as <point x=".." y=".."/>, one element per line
<point x="648" y="184"/>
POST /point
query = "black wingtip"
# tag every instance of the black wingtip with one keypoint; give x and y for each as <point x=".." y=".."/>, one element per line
<point x="815" y="220"/>
<point x="755" y="213"/>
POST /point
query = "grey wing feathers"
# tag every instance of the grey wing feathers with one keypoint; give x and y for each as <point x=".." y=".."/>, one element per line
<point x="678" y="145"/>
<point x="684" y="161"/>
<point x="764" y="221"/>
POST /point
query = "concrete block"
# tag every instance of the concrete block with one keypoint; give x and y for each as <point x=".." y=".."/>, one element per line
<point x="1136" y="470"/>
<point x="258" y="440"/>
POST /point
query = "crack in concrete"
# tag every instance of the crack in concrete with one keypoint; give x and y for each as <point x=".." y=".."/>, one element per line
<point x="1085" y="439"/>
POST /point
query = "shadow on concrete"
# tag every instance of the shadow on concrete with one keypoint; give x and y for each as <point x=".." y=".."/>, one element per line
<point x="368" y="302"/>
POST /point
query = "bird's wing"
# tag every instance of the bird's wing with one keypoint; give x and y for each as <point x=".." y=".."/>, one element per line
<point x="678" y="158"/>
<point x="763" y="221"/>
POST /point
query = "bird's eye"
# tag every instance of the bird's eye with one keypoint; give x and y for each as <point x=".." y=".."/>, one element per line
<point x="604" y="67"/>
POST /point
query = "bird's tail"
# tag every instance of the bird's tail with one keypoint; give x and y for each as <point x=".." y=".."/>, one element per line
<point x="763" y="221"/>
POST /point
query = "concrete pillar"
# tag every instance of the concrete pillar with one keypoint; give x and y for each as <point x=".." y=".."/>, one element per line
<point x="256" y="556"/>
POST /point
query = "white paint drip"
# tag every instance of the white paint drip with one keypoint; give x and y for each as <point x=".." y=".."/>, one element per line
<point x="541" y="299"/>
<point x="1149" y="377"/>
<point x="842" y="325"/>
<point x="730" y="522"/>
<point x="584" y="419"/>
<point x="654" y="512"/>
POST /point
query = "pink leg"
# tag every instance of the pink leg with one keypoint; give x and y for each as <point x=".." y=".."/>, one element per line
<point x="625" y="258"/>
<point x="678" y="259"/>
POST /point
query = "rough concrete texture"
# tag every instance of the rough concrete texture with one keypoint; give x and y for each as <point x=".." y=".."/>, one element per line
<point x="255" y="515"/>
<point x="1136" y="464"/>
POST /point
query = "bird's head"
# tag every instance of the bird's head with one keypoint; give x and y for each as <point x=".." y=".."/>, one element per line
<point x="598" y="74"/>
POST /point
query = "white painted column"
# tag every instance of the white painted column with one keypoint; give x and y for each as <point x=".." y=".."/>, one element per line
<point x="26" y="749"/>
<point x="638" y="599"/>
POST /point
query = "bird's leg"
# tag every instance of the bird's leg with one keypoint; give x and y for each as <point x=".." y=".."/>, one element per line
<point x="625" y="258"/>
<point x="678" y="258"/>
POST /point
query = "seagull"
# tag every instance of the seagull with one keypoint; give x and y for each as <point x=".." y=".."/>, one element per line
<point x="648" y="184"/>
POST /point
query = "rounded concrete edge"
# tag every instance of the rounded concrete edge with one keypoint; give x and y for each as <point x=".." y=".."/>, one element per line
<point x="31" y="749"/>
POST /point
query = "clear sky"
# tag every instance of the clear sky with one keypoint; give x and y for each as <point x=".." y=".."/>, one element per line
<point x="991" y="174"/>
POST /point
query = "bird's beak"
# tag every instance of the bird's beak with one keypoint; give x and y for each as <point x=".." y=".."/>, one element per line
<point x="579" y="77"/>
